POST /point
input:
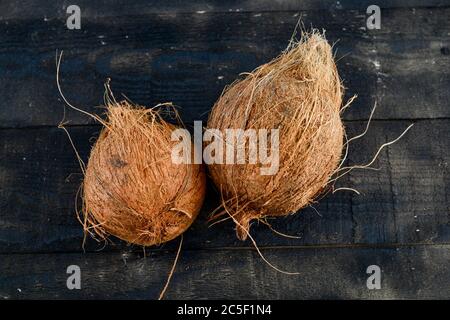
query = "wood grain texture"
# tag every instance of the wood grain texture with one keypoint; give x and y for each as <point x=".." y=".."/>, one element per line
<point x="325" y="273"/>
<point x="406" y="201"/>
<point x="188" y="58"/>
<point x="32" y="9"/>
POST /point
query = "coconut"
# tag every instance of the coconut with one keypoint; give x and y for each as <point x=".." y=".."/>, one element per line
<point x="300" y="94"/>
<point x="131" y="188"/>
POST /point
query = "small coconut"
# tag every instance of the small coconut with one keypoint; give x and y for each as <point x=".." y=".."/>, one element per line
<point x="299" y="93"/>
<point x="132" y="189"/>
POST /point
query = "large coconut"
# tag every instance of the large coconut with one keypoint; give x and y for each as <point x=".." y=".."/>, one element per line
<point x="132" y="189"/>
<point x="299" y="93"/>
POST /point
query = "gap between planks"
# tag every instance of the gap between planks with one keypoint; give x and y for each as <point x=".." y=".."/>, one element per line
<point x="137" y="249"/>
<point x="93" y="125"/>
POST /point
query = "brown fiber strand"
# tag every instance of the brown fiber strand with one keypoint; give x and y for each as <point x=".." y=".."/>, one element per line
<point x="172" y="270"/>
<point x="278" y="232"/>
<point x="246" y="230"/>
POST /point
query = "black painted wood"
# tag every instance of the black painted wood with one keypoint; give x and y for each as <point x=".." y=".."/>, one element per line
<point x="325" y="273"/>
<point x="173" y="57"/>
<point x="406" y="201"/>
<point x="32" y="9"/>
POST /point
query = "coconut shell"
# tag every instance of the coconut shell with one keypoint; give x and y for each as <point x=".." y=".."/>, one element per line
<point x="299" y="93"/>
<point x="132" y="189"/>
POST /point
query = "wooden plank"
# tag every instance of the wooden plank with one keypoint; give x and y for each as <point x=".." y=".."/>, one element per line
<point x="410" y="202"/>
<point x="189" y="58"/>
<point x="325" y="273"/>
<point x="39" y="180"/>
<point x="406" y="201"/>
<point x="35" y="9"/>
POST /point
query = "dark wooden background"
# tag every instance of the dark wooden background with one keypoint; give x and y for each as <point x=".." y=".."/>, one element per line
<point x="186" y="52"/>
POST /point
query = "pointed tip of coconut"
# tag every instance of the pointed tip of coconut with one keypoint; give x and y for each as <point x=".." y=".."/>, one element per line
<point x="312" y="54"/>
<point x="243" y="221"/>
<point x="242" y="229"/>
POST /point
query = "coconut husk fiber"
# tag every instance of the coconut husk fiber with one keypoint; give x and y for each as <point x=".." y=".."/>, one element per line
<point x="300" y="93"/>
<point x="131" y="188"/>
